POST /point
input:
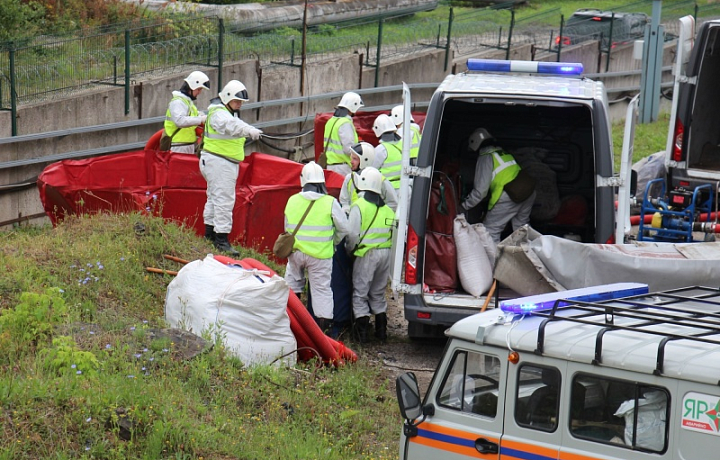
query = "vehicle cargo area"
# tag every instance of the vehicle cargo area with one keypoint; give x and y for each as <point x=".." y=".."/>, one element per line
<point x="551" y="140"/>
<point x="704" y="135"/>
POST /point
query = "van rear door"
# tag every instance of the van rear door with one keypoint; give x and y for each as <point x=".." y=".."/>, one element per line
<point x="622" y="219"/>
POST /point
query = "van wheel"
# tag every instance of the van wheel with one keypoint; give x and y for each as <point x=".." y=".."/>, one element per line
<point x="418" y="331"/>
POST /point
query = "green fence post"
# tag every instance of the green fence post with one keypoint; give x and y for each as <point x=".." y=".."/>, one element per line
<point x="449" y="36"/>
<point x="510" y="31"/>
<point x="379" y="50"/>
<point x="127" y="71"/>
<point x="609" y="48"/>
<point x="560" y="37"/>
<point x="13" y="92"/>
<point x="221" y="51"/>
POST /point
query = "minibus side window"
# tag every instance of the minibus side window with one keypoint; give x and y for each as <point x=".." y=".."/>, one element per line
<point x="604" y="410"/>
<point x="538" y="397"/>
<point x="471" y="384"/>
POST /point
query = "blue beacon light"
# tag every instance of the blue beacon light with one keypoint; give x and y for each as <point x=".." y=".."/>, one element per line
<point x="525" y="305"/>
<point x="548" y="68"/>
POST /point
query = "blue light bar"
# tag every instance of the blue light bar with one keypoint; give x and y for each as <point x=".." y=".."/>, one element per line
<point x="550" y="68"/>
<point x="525" y="305"/>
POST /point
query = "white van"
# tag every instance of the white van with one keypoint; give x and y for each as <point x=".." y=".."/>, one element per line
<point x="634" y="378"/>
<point x="556" y="124"/>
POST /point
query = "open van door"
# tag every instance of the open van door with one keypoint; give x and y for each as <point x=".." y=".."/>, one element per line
<point x="400" y="230"/>
<point x="625" y="191"/>
<point x="673" y="150"/>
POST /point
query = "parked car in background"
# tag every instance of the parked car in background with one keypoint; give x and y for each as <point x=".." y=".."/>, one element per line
<point x="613" y="28"/>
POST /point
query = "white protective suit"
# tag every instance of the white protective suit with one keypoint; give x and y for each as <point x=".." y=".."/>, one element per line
<point x="319" y="271"/>
<point x="370" y="272"/>
<point x="505" y="209"/>
<point x="179" y="116"/>
<point x="220" y="173"/>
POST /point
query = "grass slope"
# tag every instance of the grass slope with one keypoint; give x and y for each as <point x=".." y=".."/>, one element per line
<point x="82" y="378"/>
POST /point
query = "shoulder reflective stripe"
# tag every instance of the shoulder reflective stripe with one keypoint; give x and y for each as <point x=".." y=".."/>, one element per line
<point x="315" y="228"/>
<point x="503" y="164"/>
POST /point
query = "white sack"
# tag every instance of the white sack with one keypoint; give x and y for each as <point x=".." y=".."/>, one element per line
<point x="474" y="268"/>
<point x="650" y="432"/>
<point x="247" y="308"/>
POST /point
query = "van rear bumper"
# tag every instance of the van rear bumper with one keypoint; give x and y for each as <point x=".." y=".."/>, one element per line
<point x="417" y="311"/>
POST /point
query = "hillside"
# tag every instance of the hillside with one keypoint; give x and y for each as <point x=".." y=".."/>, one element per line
<point x="88" y="369"/>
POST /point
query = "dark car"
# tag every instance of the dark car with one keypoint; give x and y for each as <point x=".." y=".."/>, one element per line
<point x="611" y="27"/>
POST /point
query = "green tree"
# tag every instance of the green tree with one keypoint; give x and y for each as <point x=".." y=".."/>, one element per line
<point x="20" y="19"/>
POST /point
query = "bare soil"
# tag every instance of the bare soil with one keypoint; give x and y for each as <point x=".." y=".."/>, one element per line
<point x="399" y="354"/>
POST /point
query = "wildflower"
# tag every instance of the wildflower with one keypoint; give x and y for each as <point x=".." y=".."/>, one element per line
<point x="88" y="419"/>
<point x="61" y="291"/>
<point x="131" y="376"/>
<point x="137" y="355"/>
<point x="165" y="350"/>
<point x="73" y="366"/>
<point x="108" y="346"/>
<point x="132" y="328"/>
<point x="78" y="372"/>
<point x="122" y="259"/>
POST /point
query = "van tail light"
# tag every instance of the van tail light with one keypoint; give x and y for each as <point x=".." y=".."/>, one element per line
<point x="411" y="256"/>
<point x="564" y="40"/>
<point x="677" y="153"/>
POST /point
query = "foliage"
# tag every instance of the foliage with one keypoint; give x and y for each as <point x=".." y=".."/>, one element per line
<point x="20" y="19"/>
<point x="137" y="396"/>
<point x="649" y="138"/>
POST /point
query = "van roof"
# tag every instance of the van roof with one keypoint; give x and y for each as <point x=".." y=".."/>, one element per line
<point x="514" y="84"/>
<point x="674" y="333"/>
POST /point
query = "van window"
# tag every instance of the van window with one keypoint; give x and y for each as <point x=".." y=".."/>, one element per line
<point x="538" y="397"/>
<point x="471" y="384"/>
<point x="603" y="410"/>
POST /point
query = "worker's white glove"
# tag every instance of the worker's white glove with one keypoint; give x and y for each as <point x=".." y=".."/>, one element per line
<point x="202" y="118"/>
<point x="255" y="134"/>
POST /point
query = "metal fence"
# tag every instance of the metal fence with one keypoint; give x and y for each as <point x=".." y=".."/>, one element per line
<point x="45" y="68"/>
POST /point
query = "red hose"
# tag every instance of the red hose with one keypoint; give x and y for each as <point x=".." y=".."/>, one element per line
<point x="635" y="220"/>
<point x="154" y="142"/>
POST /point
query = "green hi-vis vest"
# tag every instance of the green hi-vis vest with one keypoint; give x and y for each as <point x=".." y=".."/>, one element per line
<point x="315" y="236"/>
<point x="505" y="169"/>
<point x="332" y="144"/>
<point x="224" y="145"/>
<point x="379" y="234"/>
<point x="415" y="146"/>
<point x="185" y="135"/>
<point x="392" y="167"/>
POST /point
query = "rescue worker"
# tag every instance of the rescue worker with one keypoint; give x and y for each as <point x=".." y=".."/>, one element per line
<point x="370" y="240"/>
<point x="388" y="153"/>
<point x="363" y="156"/>
<point x="396" y="114"/>
<point x="324" y="226"/>
<point x="512" y="192"/>
<point x="182" y="117"/>
<point x="220" y="157"/>
<point x="340" y="134"/>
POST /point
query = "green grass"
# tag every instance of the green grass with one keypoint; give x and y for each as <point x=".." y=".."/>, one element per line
<point x="649" y="138"/>
<point x="78" y="367"/>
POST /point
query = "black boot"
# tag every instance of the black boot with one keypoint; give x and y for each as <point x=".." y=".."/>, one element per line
<point x="324" y="324"/>
<point x="361" y="329"/>
<point x="222" y="244"/>
<point x="210" y="233"/>
<point x="381" y="326"/>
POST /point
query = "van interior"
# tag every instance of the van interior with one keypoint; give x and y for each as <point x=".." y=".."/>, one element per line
<point x="704" y="137"/>
<point x="552" y="141"/>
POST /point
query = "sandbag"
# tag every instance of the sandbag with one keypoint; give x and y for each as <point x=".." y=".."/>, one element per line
<point x="247" y="308"/>
<point x="474" y="268"/>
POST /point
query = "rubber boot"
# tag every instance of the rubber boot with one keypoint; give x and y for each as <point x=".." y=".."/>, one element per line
<point x="381" y="326"/>
<point x="221" y="243"/>
<point x="210" y="233"/>
<point x="361" y="329"/>
<point x="324" y="324"/>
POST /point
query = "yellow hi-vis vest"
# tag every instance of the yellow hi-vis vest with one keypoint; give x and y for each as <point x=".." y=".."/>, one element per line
<point x="379" y="234"/>
<point x="184" y="135"/>
<point x="415" y="146"/>
<point x="315" y="236"/>
<point x="505" y="169"/>
<point x="392" y="167"/>
<point x="352" y="188"/>
<point x="332" y="144"/>
<point x="230" y="147"/>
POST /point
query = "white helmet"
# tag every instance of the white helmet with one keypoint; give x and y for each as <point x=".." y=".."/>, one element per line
<point x="312" y="173"/>
<point x="383" y="124"/>
<point x="234" y="90"/>
<point x="371" y="180"/>
<point x="477" y="138"/>
<point x="351" y="101"/>
<point x="366" y="153"/>
<point x="397" y="115"/>
<point x="197" y="80"/>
